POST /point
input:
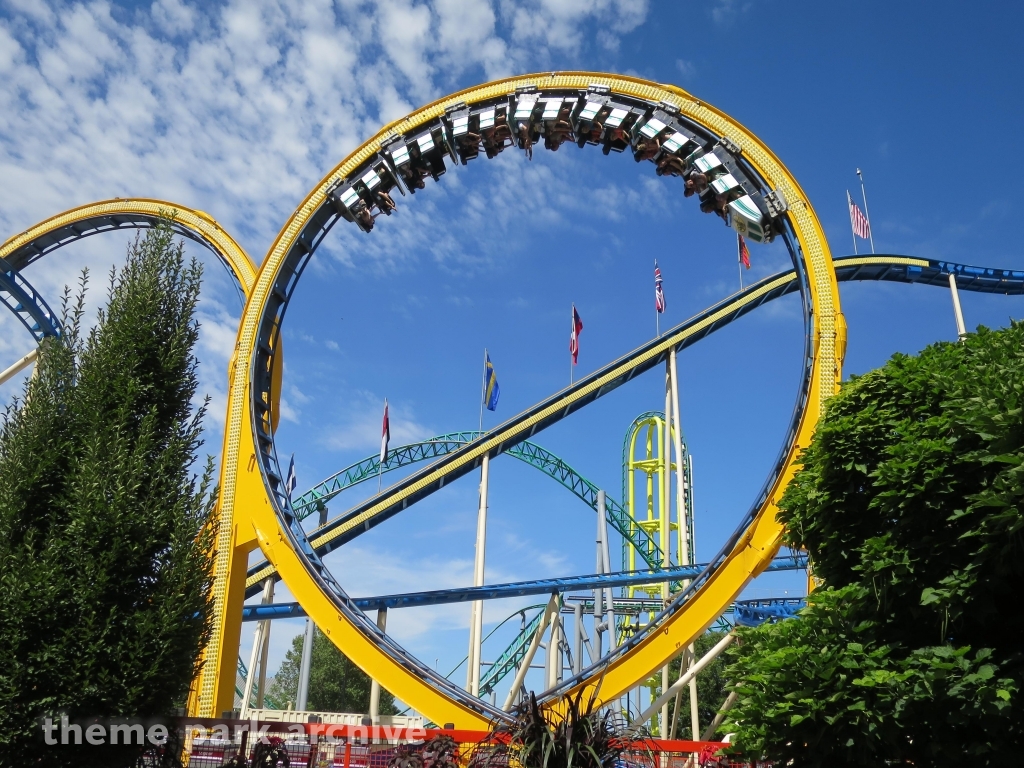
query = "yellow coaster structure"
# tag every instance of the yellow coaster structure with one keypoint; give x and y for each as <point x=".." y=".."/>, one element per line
<point x="250" y="513"/>
<point x="254" y="513"/>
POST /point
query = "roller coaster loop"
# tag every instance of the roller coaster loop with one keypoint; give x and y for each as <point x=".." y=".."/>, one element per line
<point x="253" y="507"/>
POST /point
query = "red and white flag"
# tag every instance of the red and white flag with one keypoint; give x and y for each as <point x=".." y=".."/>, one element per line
<point x="858" y="221"/>
<point x="385" y="434"/>
<point x="659" y="292"/>
<point x="741" y="247"/>
<point x="574" y="337"/>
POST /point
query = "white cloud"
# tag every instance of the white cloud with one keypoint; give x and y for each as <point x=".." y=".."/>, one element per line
<point x="687" y="69"/>
<point x="726" y="11"/>
<point x="358" y="429"/>
<point x="239" y="109"/>
<point x="174" y="16"/>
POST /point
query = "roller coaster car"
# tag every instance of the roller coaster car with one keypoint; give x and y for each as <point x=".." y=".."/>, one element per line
<point x="370" y="191"/>
<point x="662" y="140"/>
<point x="487" y="127"/>
<point x="421" y="156"/>
<point x="598" y="119"/>
<point x="546" y="115"/>
<point x="525" y="127"/>
<point x="732" y="194"/>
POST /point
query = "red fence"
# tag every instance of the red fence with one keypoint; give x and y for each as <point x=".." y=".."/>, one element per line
<point x="211" y="743"/>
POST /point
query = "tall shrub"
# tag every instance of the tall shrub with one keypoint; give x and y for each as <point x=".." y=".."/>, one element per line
<point x="105" y="536"/>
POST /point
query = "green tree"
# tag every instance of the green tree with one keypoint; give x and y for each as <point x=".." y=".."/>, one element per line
<point x="335" y="683"/>
<point x="909" y="502"/>
<point x="104" y="535"/>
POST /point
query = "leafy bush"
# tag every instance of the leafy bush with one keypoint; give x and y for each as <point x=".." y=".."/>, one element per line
<point x="909" y="501"/>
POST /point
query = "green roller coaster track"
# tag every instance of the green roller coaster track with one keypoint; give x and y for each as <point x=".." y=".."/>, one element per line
<point x="315" y="498"/>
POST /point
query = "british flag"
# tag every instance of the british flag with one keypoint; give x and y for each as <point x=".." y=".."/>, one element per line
<point x="659" y="292"/>
<point x="859" y="222"/>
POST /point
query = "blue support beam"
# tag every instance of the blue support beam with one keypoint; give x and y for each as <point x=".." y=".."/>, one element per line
<point x="753" y="613"/>
<point x="513" y="589"/>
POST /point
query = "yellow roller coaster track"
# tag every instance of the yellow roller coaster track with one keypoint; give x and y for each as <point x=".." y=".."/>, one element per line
<point x="111" y="215"/>
<point x="250" y="514"/>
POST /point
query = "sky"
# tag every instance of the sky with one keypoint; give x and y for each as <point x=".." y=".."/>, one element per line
<point x="239" y="108"/>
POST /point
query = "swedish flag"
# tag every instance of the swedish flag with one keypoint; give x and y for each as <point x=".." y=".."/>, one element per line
<point x="491" y="390"/>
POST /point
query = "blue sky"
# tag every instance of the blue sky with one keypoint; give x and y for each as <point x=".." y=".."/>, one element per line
<point x="239" y="108"/>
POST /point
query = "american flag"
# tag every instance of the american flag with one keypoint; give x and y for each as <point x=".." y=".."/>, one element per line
<point x="385" y="434"/>
<point x="858" y="221"/>
<point x="574" y="337"/>
<point x="659" y="292"/>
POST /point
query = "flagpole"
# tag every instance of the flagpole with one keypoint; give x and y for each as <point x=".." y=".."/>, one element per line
<point x="483" y="391"/>
<point x="572" y="323"/>
<point x="867" y="214"/>
<point x="739" y="261"/>
<point x="849" y="210"/>
<point x="380" y="462"/>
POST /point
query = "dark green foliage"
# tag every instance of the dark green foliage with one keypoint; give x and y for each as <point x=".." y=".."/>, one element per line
<point x="335" y="683"/>
<point x="910" y="504"/>
<point x="104" y="590"/>
<point x="579" y="736"/>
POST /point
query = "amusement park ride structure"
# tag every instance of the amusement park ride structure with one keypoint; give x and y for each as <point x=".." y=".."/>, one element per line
<point x="669" y="601"/>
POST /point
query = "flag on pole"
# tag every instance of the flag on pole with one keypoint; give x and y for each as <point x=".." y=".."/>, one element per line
<point x="744" y="253"/>
<point x="491" y="390"/>
<point x="858" y="221"/>
<point x="659" y="292"/>
<point x="574" y="337"/>
<point x="385" y="434"/>
<point x="290" y="481"/>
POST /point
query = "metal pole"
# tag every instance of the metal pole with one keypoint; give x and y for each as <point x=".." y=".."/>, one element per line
<point x="572" y="324"/>
<point x="665" y="514"/>
<point x="19" y="366"/>
<point x="531" y="651"/>
<point x="849" y="210"/>
<point x="609" y="605"/>
<point x="265" y="650"/>
<point x="483" y="391"/>
<point x="598" y="592"/>
<point x="254" y="655"/>
<point x="522" y="630"/>
<point x="867" y="213"/>
<point x="683" y="681"/>
<point x="382" y="622"/>
<point x="307" y="656"/>
<point x="739" y="261"/>
<point x="476" y="631"/>
<point x="685" y="556"/>
<point x="380" y="464"/>
<point x="694" y="714"/>
<point x="577" y="665"/>
<point x="726" y="706"/>
<point x="961" y="329"/>
<point x="675" y="706"/>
